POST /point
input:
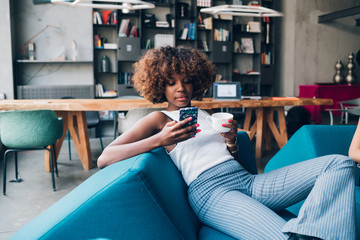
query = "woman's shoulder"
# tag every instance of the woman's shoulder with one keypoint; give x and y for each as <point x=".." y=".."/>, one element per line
<point x="158" y="118"/>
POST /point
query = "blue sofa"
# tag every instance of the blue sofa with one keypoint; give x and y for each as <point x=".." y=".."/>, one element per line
<point x="143" y="197"/>
<point x="313" y="141"/>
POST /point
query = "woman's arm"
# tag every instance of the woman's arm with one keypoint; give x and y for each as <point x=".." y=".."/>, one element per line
<point x="354" y="150"/>
<point x="153" y="131"/>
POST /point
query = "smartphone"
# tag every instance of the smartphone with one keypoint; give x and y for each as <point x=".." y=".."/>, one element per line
<point x="189" y="112"/>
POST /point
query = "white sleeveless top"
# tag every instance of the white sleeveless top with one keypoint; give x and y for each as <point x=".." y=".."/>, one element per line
<point x="195" y="155"/>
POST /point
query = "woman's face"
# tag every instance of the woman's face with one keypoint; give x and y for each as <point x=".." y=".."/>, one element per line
<point x="178" y="92"/>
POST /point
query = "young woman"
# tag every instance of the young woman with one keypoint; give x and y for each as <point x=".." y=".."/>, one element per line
<point x="221" y="192"/>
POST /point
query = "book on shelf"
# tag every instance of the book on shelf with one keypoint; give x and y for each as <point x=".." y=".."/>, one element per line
<point x="184" y="34"/>
<point x="162" y="24"/>
<point x="124" y="27"/>
<point x="106" y="16"/>
<point x="236" y="46"/>
<point x="110" y="46"/>
<point x="191" y="33"/>
<point x="221" y="34"/>
<point x="218" y="77"/>
<point x="125" y="78"/>
<point x="200" y="20"/>
<point x="99" y="90"/>
<point x="114" y="17"/>
<point x="266" y="58"/>
<point x="208" y="23"/>
<point x="254" y="26"/>
<point x="98" y="41"/>
<point x="225" y="17"/>
<point x="247" y="45"/>
<point x="133" y="33"/>
<point x="266" y="20"/>
<point x="109" y="93"/>
<point x="148" y="44"/>
<point x="203" y="3"/>
<point x="97" y="18"/>
<point x="205" y="46"/>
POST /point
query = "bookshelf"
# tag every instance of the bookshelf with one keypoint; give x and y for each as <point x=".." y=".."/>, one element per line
<point x="268" y="53"/>
<point x="241" y="48"/>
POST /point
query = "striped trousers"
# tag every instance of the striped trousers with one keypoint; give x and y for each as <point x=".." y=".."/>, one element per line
<point x="231" y="200"/>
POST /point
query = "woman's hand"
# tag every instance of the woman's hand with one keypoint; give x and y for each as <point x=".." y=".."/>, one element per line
<point x="174" y="132"/>
<point x="230" y="137"/>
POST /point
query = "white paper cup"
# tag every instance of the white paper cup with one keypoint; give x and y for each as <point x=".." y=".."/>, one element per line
<point x="218" y="119"/>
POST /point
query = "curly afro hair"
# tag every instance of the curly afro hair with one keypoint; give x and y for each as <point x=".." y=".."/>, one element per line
<point x="154" y="69"/>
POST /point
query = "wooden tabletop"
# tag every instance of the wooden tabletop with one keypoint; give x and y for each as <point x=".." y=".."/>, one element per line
<point x="127" y="104"/>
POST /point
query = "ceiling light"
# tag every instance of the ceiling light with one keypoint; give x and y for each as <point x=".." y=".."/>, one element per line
<point x="241" y="10"/>
<point x="127" y="6"/>
<point x="106" y="4"/>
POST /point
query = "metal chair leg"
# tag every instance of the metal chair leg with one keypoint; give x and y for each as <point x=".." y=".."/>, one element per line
<point x="52" y="169"/>
<point x="4" y="173"/>
<point x="69" y="145"/>
<point x="331" y="118"/>
<point x="17" y="179"/>
<point x="116" y="115"/>
<point x="101" y="144"/>
<point x="16" y="166"/>
<point x="53" y="152"/>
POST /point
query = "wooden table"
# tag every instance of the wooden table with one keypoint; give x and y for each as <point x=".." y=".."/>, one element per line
<point x="73" y="113"/>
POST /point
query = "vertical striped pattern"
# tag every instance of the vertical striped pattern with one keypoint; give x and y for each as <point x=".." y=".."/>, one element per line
<point x="230" y="199"/>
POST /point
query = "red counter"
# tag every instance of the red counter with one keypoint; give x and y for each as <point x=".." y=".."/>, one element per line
<point x="337" y="93"/>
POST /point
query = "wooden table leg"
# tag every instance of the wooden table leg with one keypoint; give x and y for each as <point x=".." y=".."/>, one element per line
<point x="247" y="123"/>
<point x="265" y="126"/>
<point x="259" y="133"/>
<point x="280" y="134"/>
<point x="75" y="122"/>
<point x="267" y="131"/>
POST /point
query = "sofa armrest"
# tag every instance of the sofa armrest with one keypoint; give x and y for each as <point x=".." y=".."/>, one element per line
<point x="143" y="197"/>
<point x="312" y="141"/>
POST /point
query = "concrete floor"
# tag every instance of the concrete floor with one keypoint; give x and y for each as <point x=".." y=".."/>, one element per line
<point x="27" y="199"/>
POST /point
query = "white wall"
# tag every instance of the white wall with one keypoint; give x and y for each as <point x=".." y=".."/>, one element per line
<point x="309" y="50"/>
<point x="6" y="69"/>
<point x="75" y="24"/>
